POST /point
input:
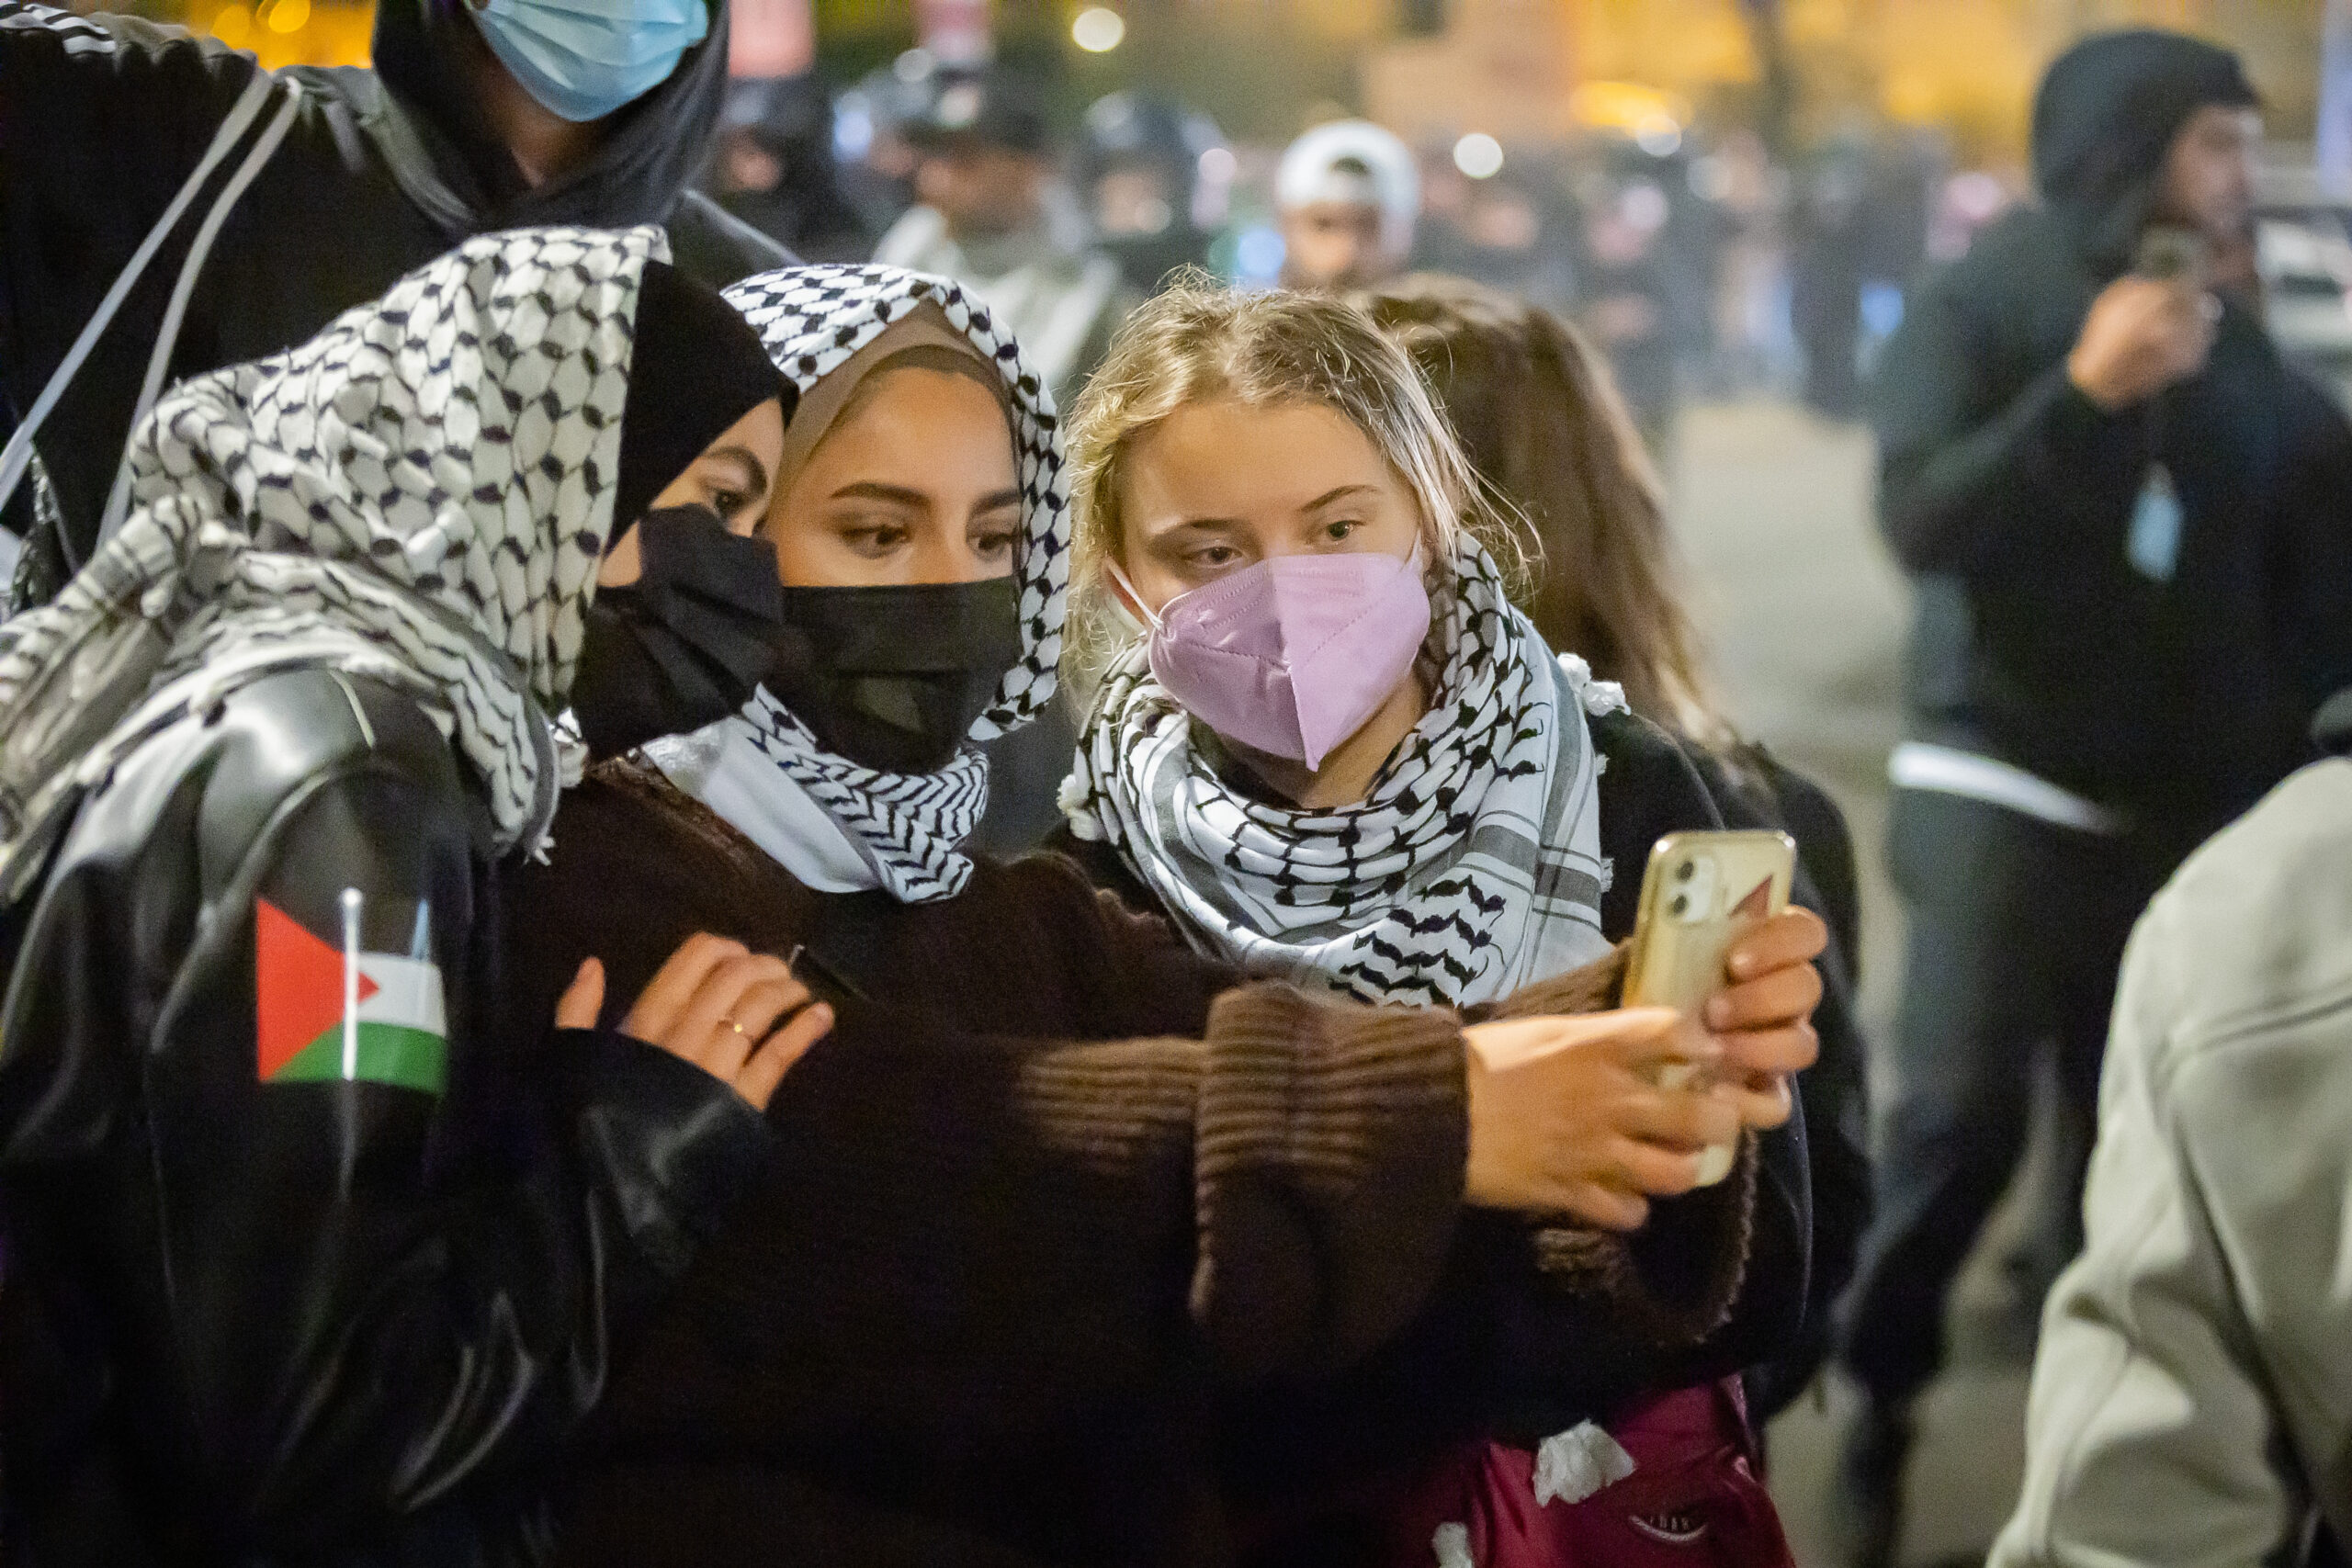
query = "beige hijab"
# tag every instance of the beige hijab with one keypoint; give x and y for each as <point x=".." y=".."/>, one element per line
<point x="921" y="340"/>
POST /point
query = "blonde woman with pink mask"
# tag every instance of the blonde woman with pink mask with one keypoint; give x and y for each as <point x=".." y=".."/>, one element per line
<point x="1325" y="746"/>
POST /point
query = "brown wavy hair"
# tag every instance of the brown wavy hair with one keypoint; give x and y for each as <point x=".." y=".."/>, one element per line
<point x="1540" y="419"/>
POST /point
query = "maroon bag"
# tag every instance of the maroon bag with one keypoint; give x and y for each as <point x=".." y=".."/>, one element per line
<point x="1694" y="1500"/>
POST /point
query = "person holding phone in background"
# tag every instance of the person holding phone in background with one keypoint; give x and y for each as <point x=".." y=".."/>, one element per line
<point x="2126" y="521"/>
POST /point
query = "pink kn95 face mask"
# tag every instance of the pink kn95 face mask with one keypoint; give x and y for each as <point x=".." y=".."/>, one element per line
<point x="1291" y="656"/>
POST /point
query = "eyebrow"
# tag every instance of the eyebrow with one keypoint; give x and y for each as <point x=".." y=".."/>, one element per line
<point x="870" y="490"/>
<point x="1000" y="499"/>
<point x="1337" y="492"/>
<point x="755" y="470"/>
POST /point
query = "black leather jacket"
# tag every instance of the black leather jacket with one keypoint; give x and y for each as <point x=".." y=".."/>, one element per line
<point x="257" y="1314"/>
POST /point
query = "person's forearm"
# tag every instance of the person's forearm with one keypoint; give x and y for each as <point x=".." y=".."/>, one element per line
<point x="1333" y="1143"/>
<point x="1305" y="1160"/>
<point x="1941" y="501"/>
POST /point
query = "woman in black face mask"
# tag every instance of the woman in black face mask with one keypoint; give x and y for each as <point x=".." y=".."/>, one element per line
<point x="1053" y="1178"/>
<point x="316" y="1246"/>
<point x="685" y="621"/>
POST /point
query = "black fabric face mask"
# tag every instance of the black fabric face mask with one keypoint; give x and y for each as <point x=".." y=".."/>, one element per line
<point x="892" y="678"/>
<point x="686" y="644"/>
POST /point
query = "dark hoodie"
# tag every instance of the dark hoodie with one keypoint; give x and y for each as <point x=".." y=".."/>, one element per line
<point x="2008" y="494"/>
<point x="103" y="118"/>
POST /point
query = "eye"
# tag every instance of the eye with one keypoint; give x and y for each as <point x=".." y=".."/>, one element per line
<point x="1339" y="530"/>
<point x="997" y="544"/>
<point x="876" y="540"/>
<point x="1210" y="557"/>
<point x="729" y="503"/>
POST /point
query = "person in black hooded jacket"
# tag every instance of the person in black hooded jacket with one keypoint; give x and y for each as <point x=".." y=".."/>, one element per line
<point x="103" y="120"/>
<point x="2130" y="527"/>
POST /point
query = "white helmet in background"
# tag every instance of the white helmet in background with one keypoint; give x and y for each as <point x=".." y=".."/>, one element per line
<point x="1354" y="162"/>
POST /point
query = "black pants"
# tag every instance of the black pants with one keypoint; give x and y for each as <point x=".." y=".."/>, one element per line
<point x="2017" y="928"/>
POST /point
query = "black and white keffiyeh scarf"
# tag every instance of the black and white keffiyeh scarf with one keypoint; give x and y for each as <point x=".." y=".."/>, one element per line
<point x="419" y="494"/>
<point x="911" y="828"/>
<point x="1472" y="867"/>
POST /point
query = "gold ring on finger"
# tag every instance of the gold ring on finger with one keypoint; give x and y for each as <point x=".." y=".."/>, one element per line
<point x="736" y="1027"/>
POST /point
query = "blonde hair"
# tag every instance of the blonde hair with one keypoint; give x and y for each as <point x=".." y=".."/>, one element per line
<point x="1199" y="341"/>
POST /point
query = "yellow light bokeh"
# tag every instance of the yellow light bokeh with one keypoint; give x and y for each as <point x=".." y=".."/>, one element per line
<point x="290" y="32"/>
<point x="233" y="25"/>
<point x="1627" y="106"/>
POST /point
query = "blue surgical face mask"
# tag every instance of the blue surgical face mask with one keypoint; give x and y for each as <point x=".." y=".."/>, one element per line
<point x="584" y="59"/>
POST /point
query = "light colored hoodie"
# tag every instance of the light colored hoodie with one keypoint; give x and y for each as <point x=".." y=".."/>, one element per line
<point x="2192" y="1400"/>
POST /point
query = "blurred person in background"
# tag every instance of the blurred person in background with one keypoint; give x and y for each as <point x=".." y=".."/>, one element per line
<point x="1626" y="290"/>
<point x="1348" y="197"/>
<point x="1747" y="195"/>
<point x="877" y="167"/>
<point x="1539" y="420"/>
<point x="2191" y="1399"/>
<point x="2126" y="520"/>
<point x="1829" y="249"/>
<point x="1508" y="231"/>
<point x="1158" y="180"/>
<point x="473" y="119"/>
<point x="773" y="168"/>
<point x="990" y="214"/>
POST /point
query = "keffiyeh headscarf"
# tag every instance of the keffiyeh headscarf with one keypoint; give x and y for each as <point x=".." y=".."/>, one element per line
<point x="1473" y="866"/>
<point x="420" y="494"/>
<point x="909" y="829"/>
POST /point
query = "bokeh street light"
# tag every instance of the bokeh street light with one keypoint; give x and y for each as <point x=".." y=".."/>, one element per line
<point x="1479" y="155"/>
<point x="1098" y="29"/>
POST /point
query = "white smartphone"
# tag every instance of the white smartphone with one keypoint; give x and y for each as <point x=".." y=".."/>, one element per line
<point x="1701" y="893"/>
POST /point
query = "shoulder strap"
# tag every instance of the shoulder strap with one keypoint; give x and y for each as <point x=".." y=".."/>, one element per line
<point x="17" y="454"/>
<point x="159" y="362"/>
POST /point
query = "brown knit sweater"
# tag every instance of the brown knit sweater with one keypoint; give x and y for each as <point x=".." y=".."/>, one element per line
<point x="1051" y="1182"/>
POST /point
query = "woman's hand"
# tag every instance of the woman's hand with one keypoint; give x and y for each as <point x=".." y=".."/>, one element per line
<point x="1567" y="1117"/>
<point x="714" y="1004"/>
<point x="1763" y="1018"/>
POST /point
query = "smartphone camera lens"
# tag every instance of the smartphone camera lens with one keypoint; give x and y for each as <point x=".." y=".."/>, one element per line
<point x="1681" y="904"/>
<point x="1683" y="873"/>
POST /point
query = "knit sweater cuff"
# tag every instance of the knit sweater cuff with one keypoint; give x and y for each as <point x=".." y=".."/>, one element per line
<point x="1675" y="1282"/>
<point x="1332" y="1141"/>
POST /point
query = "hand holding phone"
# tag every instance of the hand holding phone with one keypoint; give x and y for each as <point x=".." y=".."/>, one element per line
<point x="1567" y="1115"/>
<point x="1763" y="1017"/>
<point x="2150" y="328"/>
<point x="1703" y="894"/>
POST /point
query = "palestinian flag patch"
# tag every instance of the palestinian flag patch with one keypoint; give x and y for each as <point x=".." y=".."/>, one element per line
<point x="331" y="1013"/>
